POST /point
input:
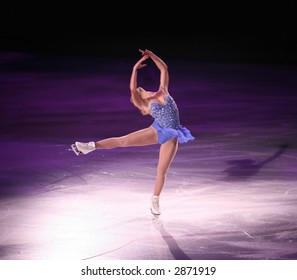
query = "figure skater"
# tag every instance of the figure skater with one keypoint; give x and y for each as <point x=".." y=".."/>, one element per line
<point x="165" y="130"/>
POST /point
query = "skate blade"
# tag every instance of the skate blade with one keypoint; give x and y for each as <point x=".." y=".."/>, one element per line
<point x="75" y="150"/>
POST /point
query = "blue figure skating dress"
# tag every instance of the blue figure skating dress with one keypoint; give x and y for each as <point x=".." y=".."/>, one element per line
<point x="167" y="123"/>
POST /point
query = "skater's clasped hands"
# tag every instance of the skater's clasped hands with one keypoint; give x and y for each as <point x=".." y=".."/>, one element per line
<point x="145" y="55"/>
<point x="145" y="52"/>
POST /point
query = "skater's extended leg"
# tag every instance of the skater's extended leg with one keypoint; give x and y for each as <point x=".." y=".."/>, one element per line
<point x="167" y="153"/>
<point x="143" y="137"/>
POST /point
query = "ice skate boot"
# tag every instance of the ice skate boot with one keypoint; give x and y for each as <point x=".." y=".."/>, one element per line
<point x="155" y="207"/>
<point x="80" y="148"/>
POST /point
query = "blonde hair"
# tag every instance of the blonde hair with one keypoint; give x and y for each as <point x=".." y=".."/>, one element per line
<point x="139" y="102"/>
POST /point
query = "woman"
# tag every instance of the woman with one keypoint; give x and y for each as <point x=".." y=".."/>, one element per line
<point x="165" y="130"/>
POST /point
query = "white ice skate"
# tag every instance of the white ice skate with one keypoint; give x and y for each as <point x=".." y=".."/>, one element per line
<point x="155" y="207"/>
<point x="80" y="148"/>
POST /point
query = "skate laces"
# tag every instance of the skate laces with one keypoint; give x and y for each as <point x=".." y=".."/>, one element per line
<point x="91" y="145"/>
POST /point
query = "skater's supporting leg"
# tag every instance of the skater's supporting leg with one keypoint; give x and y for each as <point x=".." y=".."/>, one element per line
<point x="167" y="152"/>
<point x="143" y="137"/>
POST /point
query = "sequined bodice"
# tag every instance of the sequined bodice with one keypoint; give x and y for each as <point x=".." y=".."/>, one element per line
<point x="167" y="114"/>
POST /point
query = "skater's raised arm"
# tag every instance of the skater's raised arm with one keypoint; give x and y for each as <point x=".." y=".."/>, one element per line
<point x="162" y="66"/>
<point x="138" y="97"/>
<point x="133" y="79"/>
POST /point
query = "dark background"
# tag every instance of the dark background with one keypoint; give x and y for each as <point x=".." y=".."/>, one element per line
<point x="209" y="30"/>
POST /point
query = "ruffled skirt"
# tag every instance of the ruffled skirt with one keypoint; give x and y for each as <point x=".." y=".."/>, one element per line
<point x="182" y="134"/>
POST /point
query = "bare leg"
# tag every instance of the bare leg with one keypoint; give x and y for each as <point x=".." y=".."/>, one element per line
<point x="143" y="137"/>
<point x="167" y="153"/>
